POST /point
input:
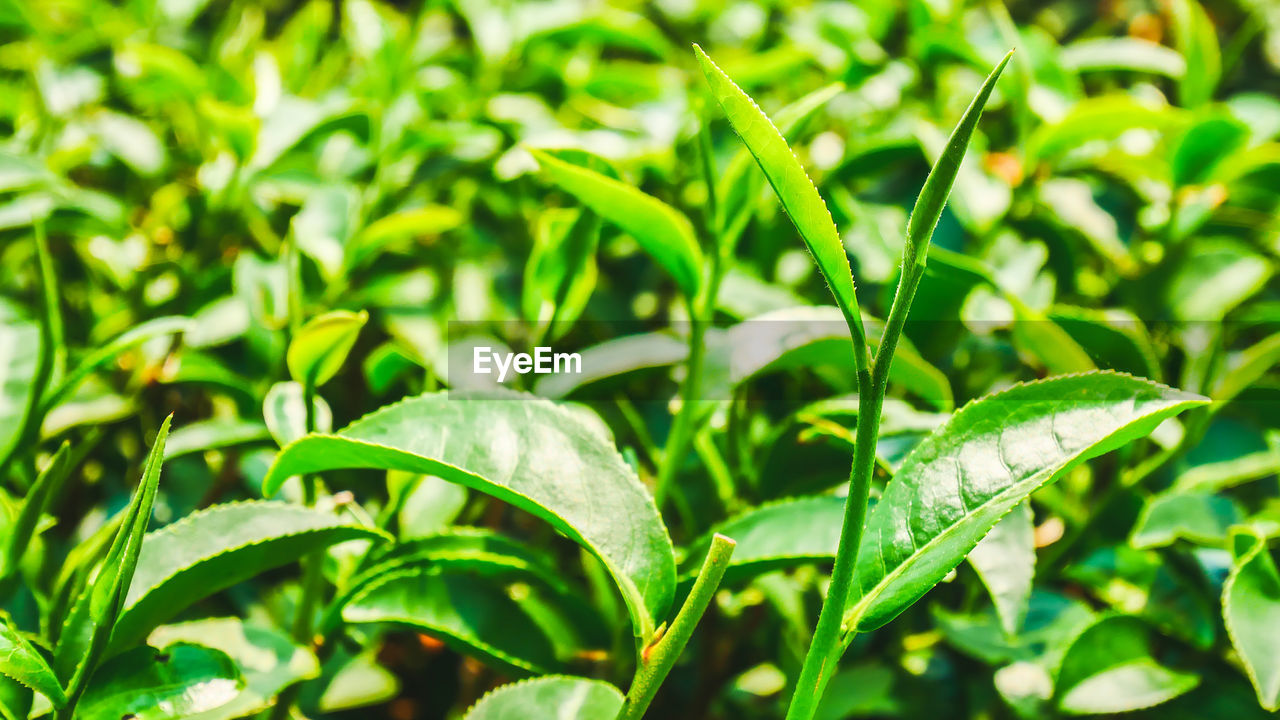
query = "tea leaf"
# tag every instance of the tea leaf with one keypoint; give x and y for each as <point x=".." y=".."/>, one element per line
<point x="790" y="182"/>
<point x="555" y="697"/>
<point x="474" y="614"/>
<point x="47" y="487"/>
<point x="20" y="661"/>
<point x="661" y="230"/>
<point x="523" y="451"/>
<point x="268" y="660"/>
<point x="321" y="346"/>
<point x="1006" y="561"/>
<point x="214" y="434"/>
<point x="170" y="684"/>
<point x="87" y="629"/>
<point x="937" y="186"/>
<point x="19" y="356"/>
<point x="1201" y="518"/>
<point x="216" y="548"/>
<point x="776" y="535"/>
<point x="953" y="487"/>
<point x="285" y="411"/>
<point x="1109" y="669"/>
<point x="1251" y="611"/>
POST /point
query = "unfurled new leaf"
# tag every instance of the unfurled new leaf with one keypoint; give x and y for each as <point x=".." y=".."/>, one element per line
<point x="87" y="630"/>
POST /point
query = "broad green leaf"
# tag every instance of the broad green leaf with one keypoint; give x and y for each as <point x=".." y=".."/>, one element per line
<point x="1098" y="118"/>
<point x="1251" y="611"/>
<point x="175" y="683"/>
<point x="285" y="411"/>
<point x="320" y="348"/>
<point x="214" y="434"/>
<point x="790" y="182"/>
<point x="19" y="353"/>
<point x="474" y="614"/>
<point x="955" y="486"/>
<point x="87" y="629"/>
<point x="555" y="697"/>
<point x="1006" y="561"/>
<point x="524" y="451"/>
<point x="20" y="661"/>
<point x="268" y="660"/>
<point x="1217" y="275"/>
<point x="1109" y="669"/>
<point x="661" y="230"/>
<point x="47" y="487"/>
<point x="216" y="548"/>
<point x="776" y="535"/>
<point x="1201" y="518"/>
<point x="1124" y="53"/>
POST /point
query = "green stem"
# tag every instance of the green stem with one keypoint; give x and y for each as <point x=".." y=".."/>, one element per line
<point x="701" y="312"/>
<point x="830" y="637"/>
<point x="656" y="661"/>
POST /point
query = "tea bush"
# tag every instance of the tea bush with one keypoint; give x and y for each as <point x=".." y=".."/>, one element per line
<point x="915" y="377"/>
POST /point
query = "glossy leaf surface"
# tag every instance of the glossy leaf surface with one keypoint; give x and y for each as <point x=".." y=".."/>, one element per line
<point x="554" y="697"/>
<point x="954" y="487"/>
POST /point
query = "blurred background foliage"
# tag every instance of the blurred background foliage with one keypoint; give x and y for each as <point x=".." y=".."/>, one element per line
<point x="1117" y="209"/>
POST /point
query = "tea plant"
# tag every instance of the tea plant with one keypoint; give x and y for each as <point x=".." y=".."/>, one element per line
<point x="249" y="249"/>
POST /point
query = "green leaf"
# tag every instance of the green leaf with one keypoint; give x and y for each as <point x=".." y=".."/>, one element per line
<point x="285" y="411"/>
<point x="214" y="434"/>
<point x="561" y="271"/>
<point x="937" y="187"/>
<point x="1201" y="518"/>
<point x="216" y="548"/>
<point x="663" y="232"/>
<point x="523" y="451"/>
<point x="1197" y="40"/>
<point x="1251" y="611"/>
<point x="954" y="487"/>
<point x="20" y="661"/>
<point x="426" y="221"/>
<point x="1109" y="669"/>
<point x="473" y="614"/>
<point x="556" y="697"/>
<point x="793" y="187"/>
<point x="87" y="630"/>
<point x="1123" y="53"/>
<point x="320" y="347"/>
<point x="1006" y="561"/>
<point x="776" y="535"/>
<point x="1218" y="275"/>
<point x="268" y="660"/>
<point x="739" y="186"/>
<point x="1245" y="368"/>
<point x="47" y="487"/>
<point x="19" y="355"/>
<point x="171" y="684"/>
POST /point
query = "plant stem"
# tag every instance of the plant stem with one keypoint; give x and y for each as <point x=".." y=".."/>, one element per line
<point x="828" y="644"/>
<point x="659" y="657"/>
<point x="701" y="312"/>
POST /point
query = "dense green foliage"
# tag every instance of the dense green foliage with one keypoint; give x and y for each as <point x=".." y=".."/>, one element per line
<point x="919" y="379"/>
